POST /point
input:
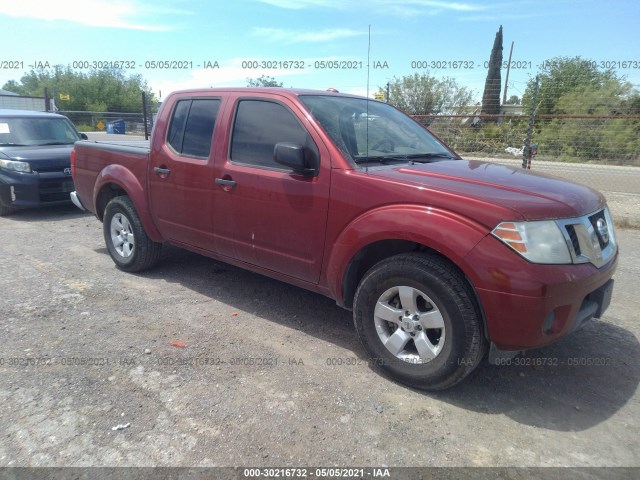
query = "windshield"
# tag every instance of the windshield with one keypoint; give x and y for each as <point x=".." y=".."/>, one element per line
<point x="36" y="131"/>
<point x="374" y="132"/>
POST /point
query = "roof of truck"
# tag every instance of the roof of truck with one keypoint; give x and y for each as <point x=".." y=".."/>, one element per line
<point x="273" y="90"/>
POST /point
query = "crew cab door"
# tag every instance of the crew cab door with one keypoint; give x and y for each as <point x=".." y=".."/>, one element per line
<point x="265" y="214"/>
<point x="181" y="173"/>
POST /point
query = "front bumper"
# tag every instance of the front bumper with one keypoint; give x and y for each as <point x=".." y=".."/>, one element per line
<point x="531" y="305"/>
<point x="24" y="190"/>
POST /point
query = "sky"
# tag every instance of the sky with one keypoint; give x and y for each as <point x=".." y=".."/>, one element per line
<point x="353" y="46"/>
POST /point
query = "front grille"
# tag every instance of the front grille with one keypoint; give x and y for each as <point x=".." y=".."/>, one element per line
<point x="590" y="237"/>
<point x="571" y="230"/>
<point x="55" y="190"/>
<point x="54" y="197"/>
<point x="56" y="169"/>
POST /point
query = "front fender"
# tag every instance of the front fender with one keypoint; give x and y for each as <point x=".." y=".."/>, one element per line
<point x="448" y="233"/>
<point x="127" y="181"/>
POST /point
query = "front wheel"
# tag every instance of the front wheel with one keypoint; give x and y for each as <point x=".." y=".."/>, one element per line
<point x="418" y="319"/>
<point x="128" y="244"/>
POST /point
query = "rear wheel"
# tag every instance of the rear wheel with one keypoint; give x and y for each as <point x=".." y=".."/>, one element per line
<point x="128" y="244"/>
<point x="418" y="319"/>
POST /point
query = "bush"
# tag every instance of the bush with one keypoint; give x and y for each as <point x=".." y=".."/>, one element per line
<point x="489" y="138"/>
<point x="83" y="127"/>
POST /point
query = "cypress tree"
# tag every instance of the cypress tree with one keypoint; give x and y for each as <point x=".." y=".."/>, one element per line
<point x="491" y="95"/>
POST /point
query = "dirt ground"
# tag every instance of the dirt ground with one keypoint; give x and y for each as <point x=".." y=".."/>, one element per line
<point x="271" y="375"/>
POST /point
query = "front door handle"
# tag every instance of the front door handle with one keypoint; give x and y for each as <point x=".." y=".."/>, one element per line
<point x="226" y="183"/>
<point x="161" y="171"/>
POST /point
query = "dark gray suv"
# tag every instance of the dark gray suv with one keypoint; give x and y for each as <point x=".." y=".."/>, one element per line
<point x="35" y="149"/>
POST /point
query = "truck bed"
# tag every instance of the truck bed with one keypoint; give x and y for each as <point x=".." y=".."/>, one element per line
<point x="108" y="160"/>
<point x="137" y="144"/>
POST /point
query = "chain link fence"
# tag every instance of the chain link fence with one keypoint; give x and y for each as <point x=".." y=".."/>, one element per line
<point x="111" y="122"/>
<point x="136" y="123"/>
<point x="587" y="139"/>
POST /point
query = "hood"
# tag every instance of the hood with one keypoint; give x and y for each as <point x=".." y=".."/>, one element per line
<point x="533" y="196"/>
<point x="46" y="157"/>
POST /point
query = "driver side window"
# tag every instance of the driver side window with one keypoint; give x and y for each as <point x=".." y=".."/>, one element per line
<point x="258" y="126"/>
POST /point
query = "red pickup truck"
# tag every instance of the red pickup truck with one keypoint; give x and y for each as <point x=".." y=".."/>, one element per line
<point x="441" y="259"/>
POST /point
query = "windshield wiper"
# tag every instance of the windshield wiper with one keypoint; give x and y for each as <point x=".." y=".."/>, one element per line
<point x="428" y="157"/>
<point x="413" y="158"/>
<point x="11" y="144"/>
<point x="382" y="159"/>
<point x="52" y="143"/>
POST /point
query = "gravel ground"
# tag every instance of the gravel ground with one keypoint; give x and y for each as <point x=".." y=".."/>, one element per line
<point x="197" y="363"/>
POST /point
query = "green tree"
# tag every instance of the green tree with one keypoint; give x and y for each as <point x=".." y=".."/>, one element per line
<point x="630" y="105"/>
<point x="492" y="85"/>
<point x="108" y="90"/>
<point x="605" y="98"/>
<point x="602" y="139"/>
<point x="263" y="81"/>
<point x="423" y="94"/>
<point x="574" y="86"/>
<point x="513" y="100"/>
<point x="560" y="76"/>
<point x="15" y="87"/>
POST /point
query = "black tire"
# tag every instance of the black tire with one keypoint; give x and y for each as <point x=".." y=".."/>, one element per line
<point x="129" y="254"/>
<point x="6" y="211"/>
<point x="442" y="298"/>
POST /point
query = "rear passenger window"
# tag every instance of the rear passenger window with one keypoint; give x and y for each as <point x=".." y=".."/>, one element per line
<point x="192" y="125"/>
<point x="258" y="126"/>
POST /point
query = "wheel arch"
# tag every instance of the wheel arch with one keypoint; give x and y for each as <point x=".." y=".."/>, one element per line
<point x="376" y="252"/>
<point x="367" y="257"/>
<point x="116" y="180"/>
<point x="385" y="232"/>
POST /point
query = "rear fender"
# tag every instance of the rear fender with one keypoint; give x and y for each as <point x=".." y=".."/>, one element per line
<point x="129" y="183"/>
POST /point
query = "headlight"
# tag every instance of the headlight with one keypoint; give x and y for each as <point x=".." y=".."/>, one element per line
<point x="538" y="242"/>
<point x="15" y="166"/>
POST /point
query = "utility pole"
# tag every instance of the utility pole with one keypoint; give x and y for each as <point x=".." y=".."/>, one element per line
<point x="387" y="92"/>
<point x="526" y="151"/>
<point x="506" y="80"/>
<point x="145" y="118"/>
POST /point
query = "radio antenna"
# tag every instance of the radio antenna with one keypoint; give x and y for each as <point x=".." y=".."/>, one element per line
<point x="367" y="117"/>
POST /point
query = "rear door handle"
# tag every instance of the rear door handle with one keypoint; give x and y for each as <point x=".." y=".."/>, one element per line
<point x="161" y="171"/>
<point x="226" y="183"/>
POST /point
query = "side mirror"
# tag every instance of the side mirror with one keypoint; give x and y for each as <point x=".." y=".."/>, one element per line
<point x="84" y="136"/>
<point x="299" y="159"/>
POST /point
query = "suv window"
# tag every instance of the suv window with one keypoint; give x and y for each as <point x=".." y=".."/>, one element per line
<point x="36" y="131"/>
<point x="258" y="126"/>
<point x="192" y="125"/>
